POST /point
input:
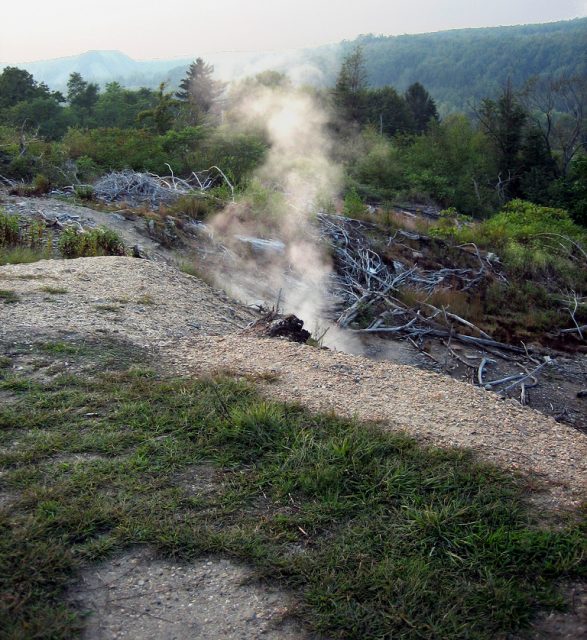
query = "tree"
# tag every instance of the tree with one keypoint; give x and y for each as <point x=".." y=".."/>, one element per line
<point x="350" y="89"/>
<point x="558" y="108"/>
<point x="82" y="97"/>
<point x="160" y="118"/>
<point x="199" y="91"/>
<point x="388" y="112"/>
<point x="18" y="85"/>
<point x="119" y="107"/>
<point x="503" y="121"/>
<point x="422" y="107"/>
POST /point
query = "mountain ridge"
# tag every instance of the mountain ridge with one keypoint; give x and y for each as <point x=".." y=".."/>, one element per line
<point x="455" y="65"/>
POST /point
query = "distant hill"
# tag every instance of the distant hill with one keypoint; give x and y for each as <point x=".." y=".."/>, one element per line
<point x="455" y="66"/>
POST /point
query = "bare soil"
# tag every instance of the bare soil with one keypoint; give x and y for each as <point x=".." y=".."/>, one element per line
<point x="137" y="596"/>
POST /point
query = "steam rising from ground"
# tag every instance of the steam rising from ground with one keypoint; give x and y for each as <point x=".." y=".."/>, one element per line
<point x="298" y="174"/>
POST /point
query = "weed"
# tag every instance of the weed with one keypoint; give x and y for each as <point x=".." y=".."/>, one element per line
<point x="146" y="299"/>
<point x="22" y="255"/>
<point x="61" y="348"/>
<point x="84" y="192"/>
<point x="8" y="296"/>
<point x="95" y="242"/>
<point x="9" y="229"/>
<point x="53" y="290"/>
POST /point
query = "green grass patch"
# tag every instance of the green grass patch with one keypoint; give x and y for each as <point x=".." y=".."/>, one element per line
<point x="378" y="536"/>
<point x="62" y="348"/>
<point x="22" y="255"/>
<point x="53" y="290"/>
<point x="8" y="296"/>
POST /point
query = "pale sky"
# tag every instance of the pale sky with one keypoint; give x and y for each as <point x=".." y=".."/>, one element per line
<point x="148" y="29"/>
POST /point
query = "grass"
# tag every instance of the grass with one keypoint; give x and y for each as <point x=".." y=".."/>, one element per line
<point x="378" y="536"/>
<point x="22" y="255"/>
<point x="8" y="296"/>
<point x="53" y="290"/>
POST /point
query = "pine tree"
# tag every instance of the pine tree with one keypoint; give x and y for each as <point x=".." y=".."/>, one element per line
<point x="422" y="106"/>
<point x="199" y="91"/>
<point x="351" y="85"/>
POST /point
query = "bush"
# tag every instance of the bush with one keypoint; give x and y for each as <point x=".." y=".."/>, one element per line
<point x="9" y="229"/>
<point x="96" y="242"/>
<point x="353" y="205"/>
<point x="193" y="206"/>
<point x="84" y="191"/>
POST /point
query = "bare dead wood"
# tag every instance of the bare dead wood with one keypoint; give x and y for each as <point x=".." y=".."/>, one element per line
<point x="532" y="374"/>
<point x="484" y="361"/>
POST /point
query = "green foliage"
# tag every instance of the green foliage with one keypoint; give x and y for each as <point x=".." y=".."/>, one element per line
<point x="534" y="242"/>
<point x="452" y="164"/>
<point x="421" y="106"/>
<point x="84" y="192"/>
<point x="160" y="117"/>
<point x="9" y="229"/>
<point x="115" y="149"/>
<point x="82" y="97"/>
<point x="119" y="107"/>
<point x="193" y="206"/>
<point x="354" y="207"/>
<point x="199" y="92"/>
<point x="469" y="64"/>
<point x="95" y="242"/>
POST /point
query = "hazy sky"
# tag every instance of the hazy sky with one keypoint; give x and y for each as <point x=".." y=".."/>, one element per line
<point x="41" y="29"/>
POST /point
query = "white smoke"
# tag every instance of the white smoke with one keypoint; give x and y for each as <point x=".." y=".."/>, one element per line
<point x="298" y="168"/>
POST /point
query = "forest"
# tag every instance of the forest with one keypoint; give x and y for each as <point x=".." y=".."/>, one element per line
<point x="521" y="142"/>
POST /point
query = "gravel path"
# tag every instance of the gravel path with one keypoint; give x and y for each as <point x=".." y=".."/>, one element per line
<point x="148" y="303"/>
<point x="139" y="597"/>
<point x="196" y="330"/>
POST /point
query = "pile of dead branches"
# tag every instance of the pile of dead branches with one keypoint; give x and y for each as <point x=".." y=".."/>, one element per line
<point x="136" y="188"/>
<point x="366" y="282"/>
<point x="370" y="288"/>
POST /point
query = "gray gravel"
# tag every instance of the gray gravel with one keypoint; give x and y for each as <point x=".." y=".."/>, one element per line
<point x="137" y="597"/>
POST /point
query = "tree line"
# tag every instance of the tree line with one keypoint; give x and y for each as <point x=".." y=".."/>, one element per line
<point x="525" y="142"/>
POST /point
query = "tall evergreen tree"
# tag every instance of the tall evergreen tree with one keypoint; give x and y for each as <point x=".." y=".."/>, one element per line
<point x="351" y="84"/>
<point x="503" y="120"/>
<point x="199" y="91"/>
<point x="82" y="97"/>
<point x="422" y="106"/>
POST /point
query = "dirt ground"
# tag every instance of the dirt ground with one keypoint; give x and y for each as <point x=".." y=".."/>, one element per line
<point x="137" y="596"/>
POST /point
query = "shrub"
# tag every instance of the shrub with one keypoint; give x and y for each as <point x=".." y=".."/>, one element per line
<point x="41" y="184"/>
<point x="9" y="229"/>
<point x="96" y="242"/>
<point x="84" y="191"/>
<point x="353" y="205"/>
<point x="193" y="206"/>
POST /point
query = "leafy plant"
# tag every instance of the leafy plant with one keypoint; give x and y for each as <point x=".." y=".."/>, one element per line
<point x="95" y="242"/>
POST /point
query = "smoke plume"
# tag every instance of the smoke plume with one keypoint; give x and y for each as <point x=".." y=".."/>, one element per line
<point x="287" y="191"/>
